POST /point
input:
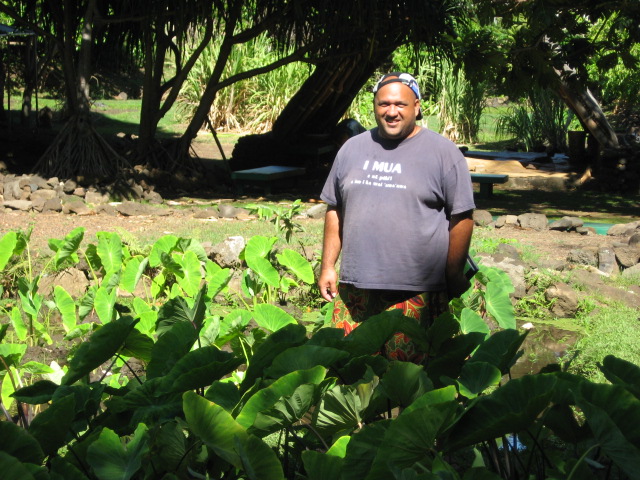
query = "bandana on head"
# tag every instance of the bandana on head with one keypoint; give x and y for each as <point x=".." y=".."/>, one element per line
<point x="403" y="78"/>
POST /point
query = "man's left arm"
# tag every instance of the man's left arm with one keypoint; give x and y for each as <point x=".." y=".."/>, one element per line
<point x="460" y="230"/>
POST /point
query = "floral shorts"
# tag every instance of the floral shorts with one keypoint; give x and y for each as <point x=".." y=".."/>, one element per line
<point x="354" y="305"/>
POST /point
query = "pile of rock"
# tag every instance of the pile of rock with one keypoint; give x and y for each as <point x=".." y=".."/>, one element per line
<point x="588" y="265"/>
<point x="34" y="193"/>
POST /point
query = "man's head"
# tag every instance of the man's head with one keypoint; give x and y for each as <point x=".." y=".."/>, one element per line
<point x="396" y="105"/>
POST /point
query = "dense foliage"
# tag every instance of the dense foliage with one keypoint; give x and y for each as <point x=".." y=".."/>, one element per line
<point x="162" y="385"/>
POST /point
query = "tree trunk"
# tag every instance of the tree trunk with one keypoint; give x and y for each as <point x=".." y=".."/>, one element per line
<point x="304" y="128"/>
<point x="588" y="111"/>
<point x="30" y="78"/>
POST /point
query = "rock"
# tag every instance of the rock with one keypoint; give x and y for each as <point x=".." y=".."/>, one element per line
<point x="153" y="197"/>
<point x="593" y="283"/>
<point x="53" y="205"/>
<point x="623" y="229"/>
<point x="632" y="271"/>
<point x="96" y="198"/>
<point x="634" y="240"/>
<point x="121" y="96"/>
<point x="535" y="221"/>
<point x="607" y="261"/>
<point x="204" y="213"/>
<point x="229" y="211"/>
<point x="132" y="209"/>
<point x="226" y="253"/>
<point x="511" y="220"/>
<point x="584" y="256"/>
<point x="69" y="186"/>
<point x="508" y="250"/>
<point x="22" y="205"/>
<point x="12" y="190"/>
<point x="586" y="231"/>
<point x="627" y="256"/>
<point x="76" y="206"/>
<point x="106" y="209"/>
<point x="566" y="224"/>
<point x="80" y="192"/>
<point x="317" y="211"/>
<point x="44" y="194"/>
<point x="74" y="281"/>
<point x="564" y="300"/>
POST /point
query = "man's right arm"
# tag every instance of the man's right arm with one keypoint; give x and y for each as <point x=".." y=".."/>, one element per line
<point x="332" y="244"/>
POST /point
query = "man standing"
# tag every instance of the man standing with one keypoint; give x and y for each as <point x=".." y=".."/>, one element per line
<point x="400" y="203"/>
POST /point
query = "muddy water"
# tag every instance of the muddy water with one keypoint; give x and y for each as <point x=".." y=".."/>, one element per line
<point x="544" y="345"/>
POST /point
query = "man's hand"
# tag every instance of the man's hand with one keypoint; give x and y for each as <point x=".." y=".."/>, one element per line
<point x="327" y="283"/>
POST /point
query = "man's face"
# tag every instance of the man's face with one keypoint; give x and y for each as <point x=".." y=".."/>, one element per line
<point x="396" y="107"/>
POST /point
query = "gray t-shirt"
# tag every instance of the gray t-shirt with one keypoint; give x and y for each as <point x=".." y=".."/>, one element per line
<point x="396" y="199"/>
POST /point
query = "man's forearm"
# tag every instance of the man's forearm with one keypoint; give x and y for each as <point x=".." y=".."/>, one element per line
<point x="332" y="242"/>
<point x="460" y="230"/>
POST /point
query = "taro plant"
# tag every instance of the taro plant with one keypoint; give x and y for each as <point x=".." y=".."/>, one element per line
<point x="262" y="281"/>
<point x="282" y="217"/>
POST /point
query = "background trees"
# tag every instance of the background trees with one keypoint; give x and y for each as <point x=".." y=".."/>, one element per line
<point x="509" y="47"/>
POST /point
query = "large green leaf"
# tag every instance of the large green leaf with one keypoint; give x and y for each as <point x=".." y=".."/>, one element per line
<point x="12" y="354"/>
<point x="138" y="345"/>
<point x="259" y="246"/>
<point x="52" y="426"/>
<point x="216" y="277"/>
<point x="18" y="323"/>
<point x="296" y="264"/>
<point x="470" y="321"/>
<point x="271" y="318"/>
<point x="133" y="270"/>
<point x="434" y="397"/>
<point x="61" y="469"/>
<point x="613" y="415"/>
<point x="220" y="432"/>
<point x="14" y="469"/>
<point x="148" y="403"/>
<point x="499" y="303"/>
<point x="500" y="349"/>
<point x="453" y="354"/>
<point x="102" y="345"/>
<point x="69" y="246"/>
<point x="171" y="347"/>
<point x="104" y="302"/>
<point x="320" y="466"/>
<point x="511" y="408"/>
<point x="67" y="308"/>
<point x="622" y="372"/>
<point x="191" y="276"/>
<point x="165" y="244"/>
<point x="259" y="461"/>
<point x="411" y="439"/>
<point x="263" y="268"/>
<point x="304" y="357"/>
<point x="341" y="408"/>
<point x="286" y="411"/>
<point x="362" y="450"/>
<point x="38" y="392"/>
<point x="476" y="377"/>
<point x="371" y="335"/>
<point x="179" y="310"/>
<point x="284" y="386"/>
<point x="200" y="368"/>
<point x="8" y="244"/>
<point x="274" y="344"/>
<point x="404" y="382"/>
<point x="111" y="460"/>
<point x="109" y="250"/>
<point x="16" y="442"/>
<point x="223" y="393"/>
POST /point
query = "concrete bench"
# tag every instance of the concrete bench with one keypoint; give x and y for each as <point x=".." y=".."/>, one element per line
<point x="487" y="180"/>
<point x="265" y="176"/>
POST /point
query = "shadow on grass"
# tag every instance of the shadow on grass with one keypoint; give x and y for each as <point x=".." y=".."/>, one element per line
<point x="584" y="203"/>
